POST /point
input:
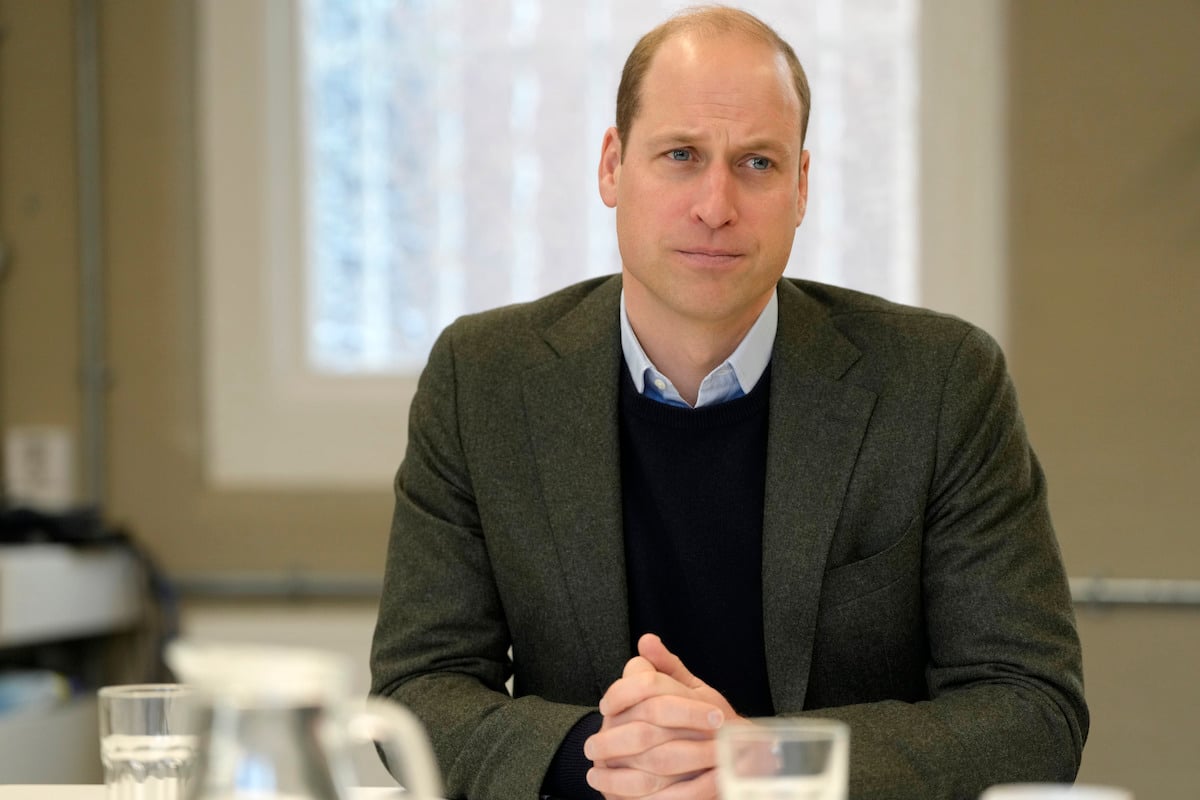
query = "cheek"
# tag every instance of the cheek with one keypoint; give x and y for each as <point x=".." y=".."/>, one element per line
<point x="632" y="234"/>
<point x="784" y="216"/>
<point x="644" y="218"/>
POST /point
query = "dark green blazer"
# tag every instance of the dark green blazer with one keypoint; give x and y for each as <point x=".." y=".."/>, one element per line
<point x="912" y="584"/>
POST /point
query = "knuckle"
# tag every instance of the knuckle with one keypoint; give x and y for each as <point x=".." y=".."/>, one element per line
<point x="635" y="783"/>
<point x="660" y="761"/>
<point x="645" y="680"/>
<point x="675" y="712"/>
<point x="644" y="735"/>
<point x="659" y="710"/>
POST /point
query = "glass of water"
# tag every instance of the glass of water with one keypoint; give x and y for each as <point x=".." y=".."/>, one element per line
<point x="148" y="740"/>
<point x="783" y="759"/>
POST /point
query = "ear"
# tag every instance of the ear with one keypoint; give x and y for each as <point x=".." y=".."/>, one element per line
<point x="802" y="194"/>
<point x="610" y="167"/>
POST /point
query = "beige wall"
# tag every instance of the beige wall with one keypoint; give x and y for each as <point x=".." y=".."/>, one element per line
<point x="1104" y="247"/>
<point x="39" y="300"/>
<point x="1105" y="289"/>
<point x="1105" y="277"/>
<point x="155" y="451"/>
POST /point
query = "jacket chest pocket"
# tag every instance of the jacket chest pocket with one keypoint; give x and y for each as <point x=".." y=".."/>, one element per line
<point x="870" y="640"/>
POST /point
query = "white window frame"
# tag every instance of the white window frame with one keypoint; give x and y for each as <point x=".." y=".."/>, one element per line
<point x="273" y="423"/>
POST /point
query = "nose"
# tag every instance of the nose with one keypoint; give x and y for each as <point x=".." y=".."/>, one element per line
<point x="715" y="204"/>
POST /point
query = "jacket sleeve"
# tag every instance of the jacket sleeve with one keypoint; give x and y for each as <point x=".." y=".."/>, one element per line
<point x="441" y="645"/>
<point x="1004" y="673"/>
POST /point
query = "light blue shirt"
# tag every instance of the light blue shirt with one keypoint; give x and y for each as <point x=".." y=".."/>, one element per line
<point x="733" y="378"/>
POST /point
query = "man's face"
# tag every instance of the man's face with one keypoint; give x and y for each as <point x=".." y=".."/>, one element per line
<point x="711" y="184"/>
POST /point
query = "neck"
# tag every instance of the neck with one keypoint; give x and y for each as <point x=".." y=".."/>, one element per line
<point x="686" y="350"/>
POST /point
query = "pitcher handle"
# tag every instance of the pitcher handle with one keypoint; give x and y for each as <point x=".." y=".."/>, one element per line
<point x="402" y="738"/>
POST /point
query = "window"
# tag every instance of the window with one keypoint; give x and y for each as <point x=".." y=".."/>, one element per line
<point x="451" y="154"/>
<point x="374" y="168"/>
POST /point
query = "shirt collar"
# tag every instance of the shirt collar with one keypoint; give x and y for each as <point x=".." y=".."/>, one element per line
<point x="748" y="361"/>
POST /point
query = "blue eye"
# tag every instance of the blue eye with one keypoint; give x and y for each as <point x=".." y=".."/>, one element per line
<point x="759" y="163"/>
<point x="679" y="155"/>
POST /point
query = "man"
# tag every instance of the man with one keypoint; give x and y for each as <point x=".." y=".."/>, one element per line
<point x="698" y="491"/>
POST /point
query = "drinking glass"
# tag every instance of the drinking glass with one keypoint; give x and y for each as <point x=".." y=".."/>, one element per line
<point x="778" y="758"/>
<point x="148" y="740"/>
<point x="1054" y="791"/>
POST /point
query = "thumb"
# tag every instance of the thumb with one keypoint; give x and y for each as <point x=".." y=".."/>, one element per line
<point x="638" y="664"/>
<point x="652" y="649"/>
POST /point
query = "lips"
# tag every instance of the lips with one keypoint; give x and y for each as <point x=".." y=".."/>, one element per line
<point x="709" y="252"/>
<point x="709" y="257"/>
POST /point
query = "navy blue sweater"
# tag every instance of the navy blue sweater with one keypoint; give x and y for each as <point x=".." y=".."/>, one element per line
<point x="692" y="484"/>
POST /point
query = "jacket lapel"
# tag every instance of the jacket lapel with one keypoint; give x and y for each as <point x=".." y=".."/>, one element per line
<point x="816" y="427"/>
<point x="817" y="424"/>
<point x="571" y="406"/>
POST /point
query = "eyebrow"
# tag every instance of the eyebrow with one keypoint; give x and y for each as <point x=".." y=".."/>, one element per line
<point x="688" y="136"/>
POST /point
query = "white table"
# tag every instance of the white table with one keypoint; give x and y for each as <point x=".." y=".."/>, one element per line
<point x="47" y="791"/>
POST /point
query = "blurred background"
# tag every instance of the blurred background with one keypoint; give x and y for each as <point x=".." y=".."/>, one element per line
<point x="208" y="335"/>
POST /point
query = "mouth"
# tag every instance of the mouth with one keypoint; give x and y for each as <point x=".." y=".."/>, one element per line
<point x="710" y="256"/>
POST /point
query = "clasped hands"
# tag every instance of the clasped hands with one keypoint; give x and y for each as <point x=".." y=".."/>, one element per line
<point x="658" y="738"/>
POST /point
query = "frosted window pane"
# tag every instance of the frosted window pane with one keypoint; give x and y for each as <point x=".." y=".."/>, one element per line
<point x="451" y="150"/>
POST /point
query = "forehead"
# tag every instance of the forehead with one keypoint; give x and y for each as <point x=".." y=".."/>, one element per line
<point x="731" y="78"/>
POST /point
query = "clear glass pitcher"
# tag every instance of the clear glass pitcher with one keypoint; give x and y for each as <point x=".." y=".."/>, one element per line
<point x="277" y="722"/>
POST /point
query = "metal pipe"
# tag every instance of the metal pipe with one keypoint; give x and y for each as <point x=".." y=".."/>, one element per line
<point x="1085" y="592"/>
<point x="1135" y="592"/>
<point x="93" y="370"/>
<point x="280" y="585"/>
